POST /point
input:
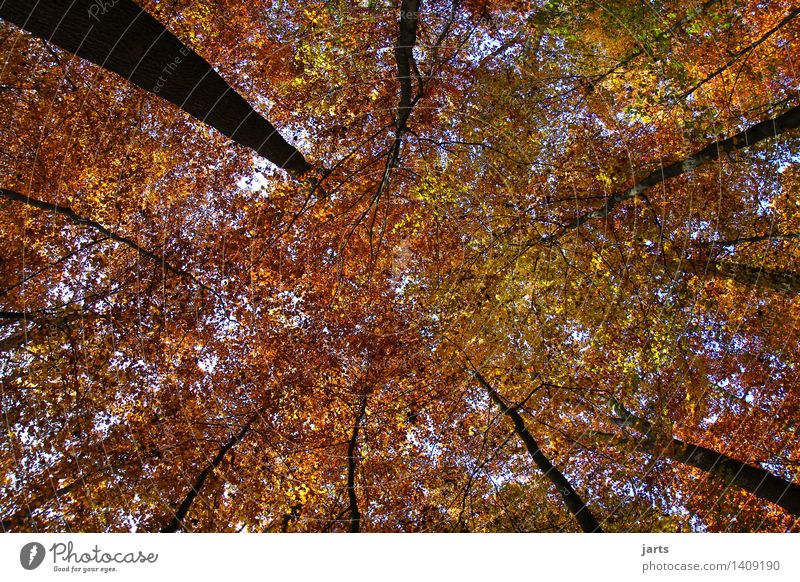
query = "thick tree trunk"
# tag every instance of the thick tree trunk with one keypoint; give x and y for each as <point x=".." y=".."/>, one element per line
<point x="404" y="57"/>
<point x="120" y="37"/>
<point x="573" y="501"/>
<point x="355" y="514"/>
<point x="775" y="279"/>
<point x="788" y="281"/>
<point x="177" y="522"/>
<point x="754" y="134"/>
<point x="756" y="480"/>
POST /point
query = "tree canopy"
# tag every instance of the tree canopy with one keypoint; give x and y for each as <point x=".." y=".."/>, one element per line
<point x="400" y="265"/>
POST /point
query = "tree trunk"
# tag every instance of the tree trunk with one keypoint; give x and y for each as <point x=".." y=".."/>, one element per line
<point x="756" y="480"/>
<point x="777" y="280"/>
<point x="404" y="57"/>
<point x="769" y="128"/>
<point x="788" y="281"/>
<point x="177" y="522"/>
<point x="573" y="501"/>
<point x="355" y="514"/>
<point x="121" y="37"/>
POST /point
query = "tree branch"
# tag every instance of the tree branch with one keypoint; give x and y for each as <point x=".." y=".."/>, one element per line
<point x="78" y="219"/>
<point x="631" y="56"/>
<point x="177" y="522"/>
<point x="776" y="279"/>
<point x="15" y="520"/>
<point x="750" y="239"/>
<point x="573" y="501"/>
<point x="789" y="17"/>
<point x="754" y="134"/>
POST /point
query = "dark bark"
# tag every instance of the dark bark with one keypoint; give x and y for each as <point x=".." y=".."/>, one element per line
<point x="122" y="38"/>
<point x="573" y="501"/>
<point x="27" y="334"/>
<point x="17" y="316"/>
<point x="754" y="134"/>
<point x="78" y="219"/>
<point x="355" y="514"/>
<point x="631" y="56"/>
<point x="749" y="239"/>
<point x="787" y="281"/>
<point x="756" y="480"/>
<point x="775" y="279"/>
<point x="406" y="70"/>
<point x="404" y="56"/>
<point x="177" y="522"/>
<point x="15" y="520"/>
<point x="288" y="518"/>
<point x="786" y="20"/>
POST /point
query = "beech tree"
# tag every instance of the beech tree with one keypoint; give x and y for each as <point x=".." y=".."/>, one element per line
<point x="441" y="265"/>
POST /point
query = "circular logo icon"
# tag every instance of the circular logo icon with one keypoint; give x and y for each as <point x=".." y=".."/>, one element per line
<point x="31" y="555"/>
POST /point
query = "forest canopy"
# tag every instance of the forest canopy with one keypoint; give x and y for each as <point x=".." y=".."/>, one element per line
<point x="400" y="266"/>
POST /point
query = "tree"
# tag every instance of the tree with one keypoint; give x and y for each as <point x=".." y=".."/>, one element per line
<point x="313" y="266"/>
<point x="572" y="500"/>
<point x="126" y="40"/>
